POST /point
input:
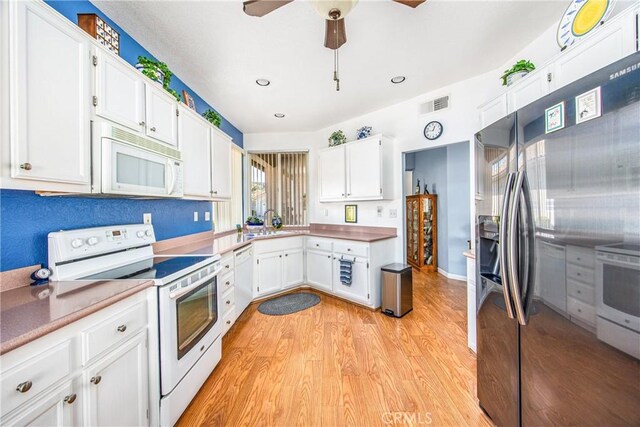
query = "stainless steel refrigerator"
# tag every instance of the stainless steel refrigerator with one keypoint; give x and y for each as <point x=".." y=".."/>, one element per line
<point x="558" y="256"/>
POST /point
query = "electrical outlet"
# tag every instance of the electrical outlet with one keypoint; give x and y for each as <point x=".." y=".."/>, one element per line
<point x="146" y="218"/>
<point x="195" y="216"/>
<point x="393" y="213"/>
<point x="207" y="216"/>
<point x="380" y="211"/>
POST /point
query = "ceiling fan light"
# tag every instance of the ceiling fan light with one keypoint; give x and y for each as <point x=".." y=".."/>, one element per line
<point x="398" y="79"/>
<point x="279" y="115"/>
<point x="323" y="7"/>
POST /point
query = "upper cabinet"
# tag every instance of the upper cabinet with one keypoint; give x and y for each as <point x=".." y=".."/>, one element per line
<point x="493" y="111"/>
<point x="220" y="164"/>
<point x="161" y="114"/>
<point x="358" y="170"/>
<point x="535" y="86"/>
<point x="50" y="92"/>
<point x="119" y="92"/>
<point x="195" y="146"/>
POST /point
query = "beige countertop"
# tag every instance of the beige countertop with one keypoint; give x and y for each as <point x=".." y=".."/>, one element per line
<point x="29" y="312"/>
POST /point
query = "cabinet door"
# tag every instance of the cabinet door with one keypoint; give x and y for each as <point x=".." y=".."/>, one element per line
<point x="193" y="136"/>
<point x="220" y="165"/>
<point x="293" y="267"/>
<point x="493" y="111"/>
<point x="117" y="386"/>
<point x="160" y="112"/>
<point x="51" y="97"/>
<point x="332" y="173"/>
<point x="119" y="91"/>
<point x="359" y="289"/>
<point x="59" y="407"/>
<point x="531" y="88"/>
<point x="611" y="42"/>
<point x="364" y="169"/>
<point x="319" y="270"/>
<point x="268" y="273"/>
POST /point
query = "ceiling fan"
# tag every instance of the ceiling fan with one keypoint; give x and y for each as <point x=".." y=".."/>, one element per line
<point x="333" y="11"/>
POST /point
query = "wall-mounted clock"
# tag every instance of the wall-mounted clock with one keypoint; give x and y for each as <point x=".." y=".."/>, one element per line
<point x="433" y="130"/>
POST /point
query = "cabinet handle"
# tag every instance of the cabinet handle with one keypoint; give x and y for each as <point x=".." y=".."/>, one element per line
<point x="228" y="322"/>
<point x="280" y="256"/>
<point x="348" y="194"/>
<point x="122" y="328"/>
<point x="579" y="274"/>
<point x="141" y="123"/>
<point x="286" y="254"/>
<point x="226" y="266"/>
<point x="96" y="380"/>
<point x="579" y="291"/>
<point x="153" y="129"/>
<point x="329" y="256"/>
<point x="24" y="387"/>
<point x="70" y="398"/>
<point x="215" y="191"/>
<point x="348" y="249"/>
<point x="227" y="283"/>
<point x="342" y="194"/>
<point x="26" y="166"/>
<point x="228" y="302"/>
<point x="579" y="310"/>
<point x="317" y="245"/>
<point x="578" y="258"/>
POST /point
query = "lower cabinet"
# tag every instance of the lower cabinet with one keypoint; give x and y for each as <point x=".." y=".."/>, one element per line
<point x="59" y="407"/>
<point x="268" y="273"/>
<point x="358" y="290"/>
<point x="116" y="386"/>
<point x="293" y="267"/>
<point x="319" y="270"/>
<point x="278" y="265"/>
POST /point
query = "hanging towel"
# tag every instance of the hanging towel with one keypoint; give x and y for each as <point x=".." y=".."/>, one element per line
<point x="346" y="266"/>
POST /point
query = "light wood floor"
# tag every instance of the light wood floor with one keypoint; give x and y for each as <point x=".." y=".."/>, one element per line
<point x="339" y="364"/>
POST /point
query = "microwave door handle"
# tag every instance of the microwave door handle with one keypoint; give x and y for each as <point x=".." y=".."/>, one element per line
<point x="172" y="177"/>
<point x="514" y="238"/>
<point x="503" y="242"/>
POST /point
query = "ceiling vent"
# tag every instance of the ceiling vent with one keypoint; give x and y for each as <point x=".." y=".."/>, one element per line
<point x="433" y="105"/>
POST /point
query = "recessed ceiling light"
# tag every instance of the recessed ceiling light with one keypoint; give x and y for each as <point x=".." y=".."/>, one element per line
<point x="279" y="115"/>
<point x="398" y="79"/>
<point x="263" y="82"/>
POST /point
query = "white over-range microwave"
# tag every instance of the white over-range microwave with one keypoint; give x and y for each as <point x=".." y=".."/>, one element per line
<point x="128" y="164"/>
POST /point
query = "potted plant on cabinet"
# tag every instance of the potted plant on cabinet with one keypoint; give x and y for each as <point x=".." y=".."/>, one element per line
<point x="158" y="72"/>
<point x="212" y="117"/>
<point x="518" y="71"/>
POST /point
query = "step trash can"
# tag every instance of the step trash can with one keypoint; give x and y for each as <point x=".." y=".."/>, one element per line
<point x="397" y="289"/>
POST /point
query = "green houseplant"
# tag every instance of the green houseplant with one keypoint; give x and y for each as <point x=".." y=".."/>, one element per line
<point x="337" y="138"/>
<point x="158" y="72"/>
<point x="213" y="117"/>
<point x="519" y="70"/>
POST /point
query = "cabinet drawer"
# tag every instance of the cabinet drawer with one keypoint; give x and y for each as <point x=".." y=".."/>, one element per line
<point x="581" y="256"/>
<point x="582" y="311"/>
<point x="581" y="291"/>
<point x="113" y="331"/>
<point x="34" y="376"/>
<point x="581" y="274"/>
<point x="228" y="319"/>
<point x="319" y="244"/>
<point x="226" y="282"/>
<point x="351" y="248"/>
<point x="228" y="301"/>
<point x="227" y="263"/>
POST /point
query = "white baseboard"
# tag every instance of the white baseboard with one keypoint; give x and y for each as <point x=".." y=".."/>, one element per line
<point x="451" y="275"/>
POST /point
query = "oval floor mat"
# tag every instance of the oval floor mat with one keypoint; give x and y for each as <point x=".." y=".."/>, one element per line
<point x="288" y="304"/>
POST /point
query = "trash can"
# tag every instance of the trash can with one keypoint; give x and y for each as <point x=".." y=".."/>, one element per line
<point x="397" y="289"/>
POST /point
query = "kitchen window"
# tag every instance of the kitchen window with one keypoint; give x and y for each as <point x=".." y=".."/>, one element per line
<point x="227" y="214"/>
<point x="278" y="180"/>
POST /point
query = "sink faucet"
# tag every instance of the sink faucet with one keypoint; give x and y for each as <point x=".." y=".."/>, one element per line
<point x="264" y="219"/>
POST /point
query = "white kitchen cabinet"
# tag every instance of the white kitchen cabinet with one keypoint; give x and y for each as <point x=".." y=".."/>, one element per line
<point x="531" y="87"/>
<point x="50" y="93"/>
<point x="332" y="178"/>
<point x="320" y="269"/>
<point x="493" y="111"/>
<point x="293" y="267"/>
<point x="551" y="274"/>
<point x="161" y="114"/>
<point x="59" y="407"/>
<point x="359" y="290"/>
<point x="364" y="169"/>
<point x="116" y="386"/>
<point x="220" y="164"/>
<point x="268" y="273"/>
<point x="195" y="146"/>
<point x="120" y="93"/>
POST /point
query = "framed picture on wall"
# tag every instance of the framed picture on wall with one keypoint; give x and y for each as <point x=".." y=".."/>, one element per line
<point x="188" y="99"/>
<point x="351" y="213"/>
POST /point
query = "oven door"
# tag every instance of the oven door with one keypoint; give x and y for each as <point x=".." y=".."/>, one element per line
<point x="618" y="289"/>
<point x="127" y="169"/>
<point x="189" y="324"/>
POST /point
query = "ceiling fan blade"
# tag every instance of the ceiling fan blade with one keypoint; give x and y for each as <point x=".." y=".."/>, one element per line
<point x="410" y="3"/>
<point x="262" y="7"/>
<point x="335" y="34"/>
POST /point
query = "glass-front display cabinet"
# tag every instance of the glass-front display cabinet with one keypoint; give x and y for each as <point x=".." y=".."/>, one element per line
<point x="422" y="231"/>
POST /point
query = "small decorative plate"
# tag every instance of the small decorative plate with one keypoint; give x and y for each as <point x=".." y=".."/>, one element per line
<point x="580" y="18"/>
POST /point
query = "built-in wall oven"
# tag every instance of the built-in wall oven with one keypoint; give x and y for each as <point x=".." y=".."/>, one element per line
<point x="618" y="296"/>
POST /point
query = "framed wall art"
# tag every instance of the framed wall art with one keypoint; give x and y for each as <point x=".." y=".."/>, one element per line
<point x="188" y="99"/>
<point x="554" y="118"/>
<point x="588" y="105"/>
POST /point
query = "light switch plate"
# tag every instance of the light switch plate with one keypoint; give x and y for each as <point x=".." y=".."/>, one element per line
<point x="393" y="213"/>
<point x="146" y="218"/>
<point x="207" y="216"/>
<point x="195" y="216"/>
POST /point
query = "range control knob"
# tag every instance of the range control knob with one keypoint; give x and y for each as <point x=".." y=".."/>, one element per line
<point x="92" y="241"/>
<point x="140" y="234"/>
<point x="149" y="233"/>
<point x="76" y="243"/>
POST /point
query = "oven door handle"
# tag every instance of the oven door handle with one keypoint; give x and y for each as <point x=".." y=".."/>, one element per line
<point x="182" y="291"/>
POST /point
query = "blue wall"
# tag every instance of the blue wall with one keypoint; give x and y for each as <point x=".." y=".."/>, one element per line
<point x="131" y="49"/>
<point x="448" y="168"/>
<point x="26" y="219"/>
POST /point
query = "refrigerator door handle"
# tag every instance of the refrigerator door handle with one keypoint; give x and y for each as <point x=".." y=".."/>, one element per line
<point x="529" y="278"/>
<point x="514" y="280"/>
<point x="504" y="243"/>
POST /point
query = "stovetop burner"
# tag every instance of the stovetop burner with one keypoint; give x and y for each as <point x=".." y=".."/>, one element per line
<point x="152" y="268"/>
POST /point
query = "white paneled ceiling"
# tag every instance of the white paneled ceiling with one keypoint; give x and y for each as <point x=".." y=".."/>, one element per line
<point x="219" y="52"/>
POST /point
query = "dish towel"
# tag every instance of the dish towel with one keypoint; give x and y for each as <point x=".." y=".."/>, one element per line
<point x="345" y="271"/>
